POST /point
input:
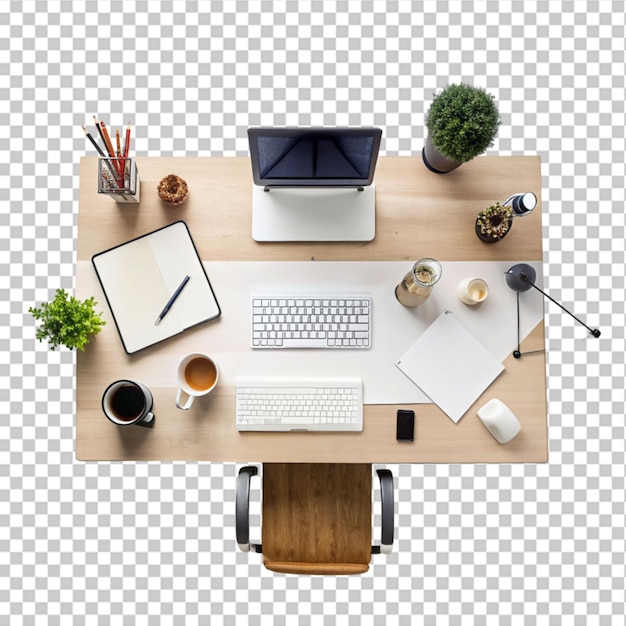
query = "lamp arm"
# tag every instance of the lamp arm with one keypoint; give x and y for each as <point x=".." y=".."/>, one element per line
<point x="594" y="331"/>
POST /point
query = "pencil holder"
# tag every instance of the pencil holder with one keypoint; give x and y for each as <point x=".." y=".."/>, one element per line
<point x="118" y="178"/>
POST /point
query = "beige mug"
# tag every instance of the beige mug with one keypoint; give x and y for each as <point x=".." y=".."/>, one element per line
<point x="197" y="376"/>
<point x="472" y="290"/>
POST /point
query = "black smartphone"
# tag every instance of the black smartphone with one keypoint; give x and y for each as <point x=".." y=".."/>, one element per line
<point x="405" y="425"/>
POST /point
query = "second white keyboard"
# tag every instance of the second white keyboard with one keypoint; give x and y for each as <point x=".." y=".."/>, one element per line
<point x="311" y="321"/>
<point x="293" y="403"/>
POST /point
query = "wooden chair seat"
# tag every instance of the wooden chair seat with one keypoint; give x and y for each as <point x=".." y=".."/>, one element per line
<point x="317" y="518"/>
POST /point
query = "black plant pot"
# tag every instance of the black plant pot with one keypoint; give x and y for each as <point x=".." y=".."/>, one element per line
<point x="435" y="161"/>
<point x="488" y="238"/>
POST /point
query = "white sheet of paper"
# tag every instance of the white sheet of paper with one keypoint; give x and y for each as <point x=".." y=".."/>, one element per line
<point x="448" y="357"/>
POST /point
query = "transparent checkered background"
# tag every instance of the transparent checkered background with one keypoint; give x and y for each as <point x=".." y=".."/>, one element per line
<point x="137" y="543"/>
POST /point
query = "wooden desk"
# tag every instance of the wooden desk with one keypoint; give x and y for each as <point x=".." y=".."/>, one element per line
<point x="418" y="214"/>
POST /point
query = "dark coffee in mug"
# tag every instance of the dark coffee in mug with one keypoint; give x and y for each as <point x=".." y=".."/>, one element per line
<point x="128" y="402"/>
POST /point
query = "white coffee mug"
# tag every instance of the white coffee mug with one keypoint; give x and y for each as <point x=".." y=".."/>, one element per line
<point x="472" y="290"/>
<point x="197" y="376"/>
<point x="126" y="402"/>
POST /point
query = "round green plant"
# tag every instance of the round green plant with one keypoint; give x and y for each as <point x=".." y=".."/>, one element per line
<point x="67" y="321"/>
<point x="462" y="122"/>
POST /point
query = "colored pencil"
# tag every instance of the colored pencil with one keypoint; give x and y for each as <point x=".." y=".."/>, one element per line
<point x="97" y="123"/>
<point x="93" y="141"/>
<point x="107" y="139"/>
<point x="116" y="164"/>
<point x="112" y="166"/>
<point x="127" y="141"/>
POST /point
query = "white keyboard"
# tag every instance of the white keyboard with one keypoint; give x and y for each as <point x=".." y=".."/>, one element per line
<point x="311" y="321"/>
<point x="283" y="404"/>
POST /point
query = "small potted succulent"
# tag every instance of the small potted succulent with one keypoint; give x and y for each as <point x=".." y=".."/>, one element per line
<point x="67" y="321"/>
<point x="462" y="123"/>
<point x="494" y="222"/>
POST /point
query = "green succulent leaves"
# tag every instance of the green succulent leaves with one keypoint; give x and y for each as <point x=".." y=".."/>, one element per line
<point x="494" y="221"/>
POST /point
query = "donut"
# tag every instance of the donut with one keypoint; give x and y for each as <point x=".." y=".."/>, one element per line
<point x="173" y="189"/>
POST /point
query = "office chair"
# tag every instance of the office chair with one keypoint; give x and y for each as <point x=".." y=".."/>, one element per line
<point x="316" y="517"/>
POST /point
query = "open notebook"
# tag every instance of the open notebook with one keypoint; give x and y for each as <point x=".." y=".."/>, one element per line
<point x="139" y="277"/>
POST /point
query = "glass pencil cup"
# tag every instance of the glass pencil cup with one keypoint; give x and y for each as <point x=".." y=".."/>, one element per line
<point x="417" y="284"/>
<point x="118" y="178"/>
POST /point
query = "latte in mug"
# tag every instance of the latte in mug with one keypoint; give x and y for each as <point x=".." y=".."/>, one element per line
<point x="200" y="373"/>
<point x="197" y="376"/>
<point x="472" y="290"/>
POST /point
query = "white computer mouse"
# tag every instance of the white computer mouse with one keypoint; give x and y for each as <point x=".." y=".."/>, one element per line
<point x="499" y="420"/>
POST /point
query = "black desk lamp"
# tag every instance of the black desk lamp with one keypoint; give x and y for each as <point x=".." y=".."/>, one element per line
<point x="520" y="278"/>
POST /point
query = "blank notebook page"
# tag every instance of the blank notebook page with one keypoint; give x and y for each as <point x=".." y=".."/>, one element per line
<point x="140" y="276"/>
<point x="450" y="366"/>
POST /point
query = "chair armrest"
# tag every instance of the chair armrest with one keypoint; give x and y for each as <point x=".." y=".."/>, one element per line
<point x="242" y="508"/>
<point x="386" y="502"/>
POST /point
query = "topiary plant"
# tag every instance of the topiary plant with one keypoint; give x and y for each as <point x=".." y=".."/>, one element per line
<point x="68" y="322"/>
<point x="462" y="122"/>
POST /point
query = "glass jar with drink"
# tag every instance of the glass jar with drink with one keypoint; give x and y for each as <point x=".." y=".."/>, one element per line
<point x="417" y="284"/>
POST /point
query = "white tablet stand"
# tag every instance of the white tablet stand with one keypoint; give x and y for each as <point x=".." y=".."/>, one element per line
<point x="313" y="213"/>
